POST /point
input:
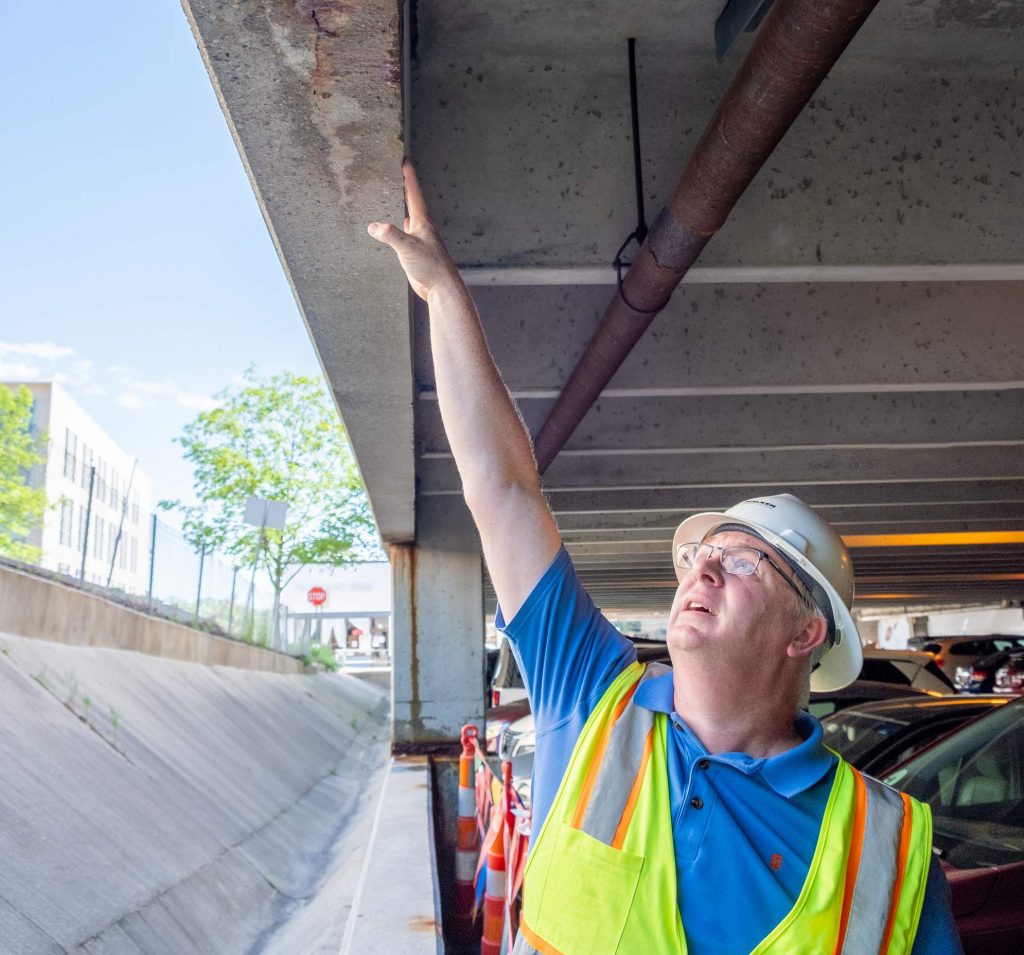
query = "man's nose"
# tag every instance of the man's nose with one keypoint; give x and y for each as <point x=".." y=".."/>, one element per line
<point x="708" y="564"/>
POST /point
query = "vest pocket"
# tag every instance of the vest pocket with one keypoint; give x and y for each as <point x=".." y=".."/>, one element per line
<point x="587" y="894"/>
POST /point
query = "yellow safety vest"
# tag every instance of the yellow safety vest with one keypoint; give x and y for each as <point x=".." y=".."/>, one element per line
<point x="601" y="877"/>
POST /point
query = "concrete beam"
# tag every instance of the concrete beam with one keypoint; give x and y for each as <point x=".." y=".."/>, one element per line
<point x="753" y="274"/>
<point x="800" y="338"/>
<point x="682" y="497"/>
<point x="313" y="96"/>
<point x="841" y="466"/>
<point x="620" y="425"/>
<point x="583" y="525"/>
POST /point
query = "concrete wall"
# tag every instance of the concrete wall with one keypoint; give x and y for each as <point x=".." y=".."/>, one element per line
<point x="157" y="806"/>
<point x="31" y="606"/>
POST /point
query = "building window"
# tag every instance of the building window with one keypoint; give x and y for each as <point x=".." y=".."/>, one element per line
<point x="67" y="510"/>
<point x="81" y="524"/>
<point x="97" y="538"/>
<point x="135" y="554"/>
<point x="101" y="481"/>
<point x="87" y="463"/>
<point x="135" y="507"/>
<point x="115" y="481"/>
<point x="70" y="450"/>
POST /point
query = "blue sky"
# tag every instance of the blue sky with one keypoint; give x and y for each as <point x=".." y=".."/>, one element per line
<point x="134" y="263"/>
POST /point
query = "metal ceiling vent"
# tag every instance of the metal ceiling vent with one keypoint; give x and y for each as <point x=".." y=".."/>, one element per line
<point x="738" y="16"/>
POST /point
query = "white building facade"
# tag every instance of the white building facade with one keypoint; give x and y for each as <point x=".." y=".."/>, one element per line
<point x="109" y="525"/>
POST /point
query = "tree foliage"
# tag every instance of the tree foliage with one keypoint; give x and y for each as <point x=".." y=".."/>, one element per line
<point x="21" y="506"/>
<point x="280" y="439"/>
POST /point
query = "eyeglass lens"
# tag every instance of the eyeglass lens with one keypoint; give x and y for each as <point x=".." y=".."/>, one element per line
<point x="740" y="561"/>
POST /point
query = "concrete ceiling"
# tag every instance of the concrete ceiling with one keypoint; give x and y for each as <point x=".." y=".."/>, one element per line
<point x="854" y="334"/>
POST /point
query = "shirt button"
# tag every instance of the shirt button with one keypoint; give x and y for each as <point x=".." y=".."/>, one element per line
<point x="704" y="764"/>
<point x="697" y="802"/>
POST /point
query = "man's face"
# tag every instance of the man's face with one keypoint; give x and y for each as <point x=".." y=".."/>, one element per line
<point x="733" y="618"/>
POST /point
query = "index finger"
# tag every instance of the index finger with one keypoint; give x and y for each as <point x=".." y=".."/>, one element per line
<point x="414" y="200"/>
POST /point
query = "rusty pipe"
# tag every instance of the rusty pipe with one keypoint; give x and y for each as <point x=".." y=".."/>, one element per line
<point x="798" y="43"/>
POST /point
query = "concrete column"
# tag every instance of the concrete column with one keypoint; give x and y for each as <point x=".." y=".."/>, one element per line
<point x="438" y="627"/>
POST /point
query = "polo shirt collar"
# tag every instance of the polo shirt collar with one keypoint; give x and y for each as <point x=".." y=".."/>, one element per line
<point x="789" y="773"/>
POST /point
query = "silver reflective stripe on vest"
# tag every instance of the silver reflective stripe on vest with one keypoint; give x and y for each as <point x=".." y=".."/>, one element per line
<point x="523" y="947"/>
<point x="876" y="876"/>
<point x="619" y="767"/>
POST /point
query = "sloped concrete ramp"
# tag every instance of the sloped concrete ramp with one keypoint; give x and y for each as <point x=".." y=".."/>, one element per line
<point x="155" y="806"/>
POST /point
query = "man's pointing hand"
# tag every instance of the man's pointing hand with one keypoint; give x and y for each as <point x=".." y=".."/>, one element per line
<point x="420" y="250"/>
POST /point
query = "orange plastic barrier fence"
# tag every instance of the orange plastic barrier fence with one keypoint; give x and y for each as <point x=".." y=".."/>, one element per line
<point x="502" y="857"/>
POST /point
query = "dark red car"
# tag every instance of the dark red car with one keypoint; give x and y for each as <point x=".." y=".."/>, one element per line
<point x="974" y="782"/>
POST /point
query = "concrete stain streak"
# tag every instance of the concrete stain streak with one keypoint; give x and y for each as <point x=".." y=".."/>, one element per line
<point x="404" y="569"/>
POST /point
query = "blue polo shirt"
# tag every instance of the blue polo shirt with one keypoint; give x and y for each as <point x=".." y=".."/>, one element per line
<point x="745" y="829"/>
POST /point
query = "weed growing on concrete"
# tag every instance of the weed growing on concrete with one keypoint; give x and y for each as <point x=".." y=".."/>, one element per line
<point x="41" y="679"/>
<point x="86" y="705"/>
<point x="72" y="681"/>
<point x="115" y="722"/>
<point x="322" y="655"/>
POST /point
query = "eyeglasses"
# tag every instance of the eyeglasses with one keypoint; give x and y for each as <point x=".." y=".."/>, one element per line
<point x="740" y="561"/>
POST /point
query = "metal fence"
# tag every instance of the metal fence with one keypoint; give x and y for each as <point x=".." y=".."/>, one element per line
<point x="202" y="587"/>
<point x="147" y="565"/>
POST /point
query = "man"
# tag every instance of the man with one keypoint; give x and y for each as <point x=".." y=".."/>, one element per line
<point x="692" y="809"/>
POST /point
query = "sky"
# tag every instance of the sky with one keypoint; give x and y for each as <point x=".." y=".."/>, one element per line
<point x="135" y="266"/>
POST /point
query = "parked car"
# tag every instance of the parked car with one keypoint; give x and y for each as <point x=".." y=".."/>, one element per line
<point x="973" y="780"/>
<point x="506" y="681"/>
<point x="874" y="737"/>
<point x="498" y="718"/>
<point x="980" y="676"/>
<point x="1010" y="676"/>
<point x="915" y="668"/>
<point x="858" y="692"/>
<point x="954" y="652"/>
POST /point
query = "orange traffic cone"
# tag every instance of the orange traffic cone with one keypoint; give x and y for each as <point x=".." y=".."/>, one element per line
<point x="494" y="893"/>
<point x="467" y="847"/>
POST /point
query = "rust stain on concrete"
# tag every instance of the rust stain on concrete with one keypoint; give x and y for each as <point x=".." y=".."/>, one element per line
<point x="329" y="19"/>
<point x="421" y="923"/>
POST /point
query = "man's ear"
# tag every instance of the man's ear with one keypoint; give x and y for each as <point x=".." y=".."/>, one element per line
<point x="809" y="639"/>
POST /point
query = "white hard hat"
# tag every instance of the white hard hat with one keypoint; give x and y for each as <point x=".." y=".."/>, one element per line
<point x="816" y="552"/>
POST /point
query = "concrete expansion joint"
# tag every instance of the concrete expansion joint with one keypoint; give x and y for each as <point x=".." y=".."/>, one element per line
<point x="28" y="918"/>
<point x="69" y="704"/>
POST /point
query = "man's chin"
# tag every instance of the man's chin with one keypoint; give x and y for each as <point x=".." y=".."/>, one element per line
<point x="685" y="639"/>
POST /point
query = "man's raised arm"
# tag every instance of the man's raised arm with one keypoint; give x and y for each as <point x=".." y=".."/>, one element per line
<point x="488" y="439"/>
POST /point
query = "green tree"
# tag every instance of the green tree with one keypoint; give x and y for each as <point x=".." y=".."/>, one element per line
<point x="278" y="438"/>
<point x="21" y="506"/>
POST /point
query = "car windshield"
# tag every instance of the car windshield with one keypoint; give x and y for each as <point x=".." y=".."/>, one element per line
<point x="853" y="734"/>
<point x="973" y="783"/>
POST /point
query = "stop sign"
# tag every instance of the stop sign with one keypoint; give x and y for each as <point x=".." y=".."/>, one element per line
<point x="317" y="596"/>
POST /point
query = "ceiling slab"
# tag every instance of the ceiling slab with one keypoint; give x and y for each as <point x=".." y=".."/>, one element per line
<point x="853" y="334"/>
